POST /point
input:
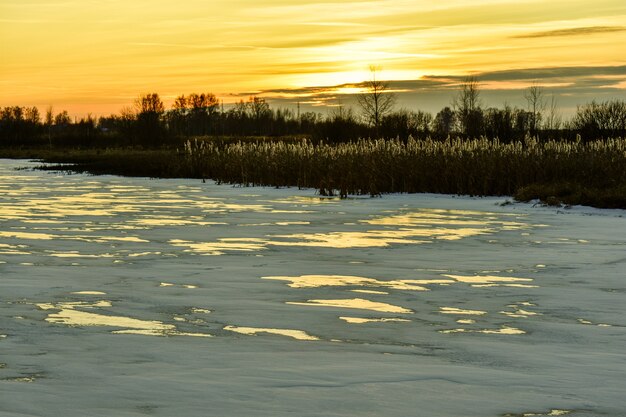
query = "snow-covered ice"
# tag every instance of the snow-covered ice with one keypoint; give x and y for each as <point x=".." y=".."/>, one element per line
<point x="134" y="296"/>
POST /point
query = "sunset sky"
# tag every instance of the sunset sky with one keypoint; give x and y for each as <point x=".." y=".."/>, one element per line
<point x="98" y="55"/>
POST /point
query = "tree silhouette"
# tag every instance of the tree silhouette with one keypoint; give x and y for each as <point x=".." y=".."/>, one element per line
<point x="149" y="109"/>
<point x="377" y="100"/>
<point x="467" y="105"/>
<point x="553" y="118"/>
<point x="202" y="108"/>
<point x="536" y="105"/>
<point x="444" y="122"/>
<point x="606" y="119"/>
<point x="259" y="110"/>
<point x="62" y="119"/>
<point x="48" y="121"/>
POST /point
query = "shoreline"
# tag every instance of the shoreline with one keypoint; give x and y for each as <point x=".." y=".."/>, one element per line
<point x="479" y="168"/>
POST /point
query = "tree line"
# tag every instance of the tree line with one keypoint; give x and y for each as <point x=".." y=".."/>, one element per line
<point x="148" y="122"/>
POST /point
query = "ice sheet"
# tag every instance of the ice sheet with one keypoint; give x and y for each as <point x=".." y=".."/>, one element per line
<point x="429" y="305"/>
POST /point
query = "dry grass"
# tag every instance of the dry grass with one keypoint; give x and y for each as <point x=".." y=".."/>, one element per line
<point x="591" y="173"/>
<point x="455" y="166"/>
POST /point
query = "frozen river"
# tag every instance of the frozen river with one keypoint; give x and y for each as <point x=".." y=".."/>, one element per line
<point x="132" y="296"/>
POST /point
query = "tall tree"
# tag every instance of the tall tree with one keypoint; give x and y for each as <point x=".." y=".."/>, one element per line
<point x="444" y="122"/>
<point x="149" y="103"/>
<point x="536" y="105"/>
<point x="467" y="105"/>
<point x="203" y="109"/>
<point x="377" y="100"/>
<point x="48" y="121"/>
<point x="259" y="111"/>
<point x="553" y="118"/>
<point x="149" y="109"/>
<point x="62" y="119"/>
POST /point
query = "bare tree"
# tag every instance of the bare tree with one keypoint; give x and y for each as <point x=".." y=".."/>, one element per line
<point x="202" y="111"/>
<point x="259" y="111"/>
<point x="553" y="118"/>
<point x="467" y="105"/>
<point x="49" y="119"/>
<point x="377" y="101"/>
<point x="536" y="105"/>
<point x="149" y="103"/>
<point x="149" y="108"/>
<point x="606" y="119"/>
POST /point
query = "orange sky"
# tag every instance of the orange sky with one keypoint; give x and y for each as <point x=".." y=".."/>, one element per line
<point x="97" y="56"/>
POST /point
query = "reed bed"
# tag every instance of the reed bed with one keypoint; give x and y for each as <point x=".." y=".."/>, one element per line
<point x="581" y="172"/>
<point x="454" y="166"/>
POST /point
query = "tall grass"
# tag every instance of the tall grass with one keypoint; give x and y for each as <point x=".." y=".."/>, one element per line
<point x="475" y="167"/>
<point x="581" y="172"/>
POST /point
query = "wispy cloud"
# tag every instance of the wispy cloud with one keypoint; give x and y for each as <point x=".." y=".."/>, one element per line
<point x="590" y="30"/>
<point x="122" y="47"/>
<point x="574" y="85"/>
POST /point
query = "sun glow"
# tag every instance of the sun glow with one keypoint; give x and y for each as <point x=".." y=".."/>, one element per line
<point x="98" y="56"/>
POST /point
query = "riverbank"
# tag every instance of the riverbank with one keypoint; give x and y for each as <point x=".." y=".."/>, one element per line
<point x="554" y="172"/>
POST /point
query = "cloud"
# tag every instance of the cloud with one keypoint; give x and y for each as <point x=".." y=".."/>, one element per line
<point x="589" y="30"/>
<point x="587" y="77"/>
<point x="572" y="86"/>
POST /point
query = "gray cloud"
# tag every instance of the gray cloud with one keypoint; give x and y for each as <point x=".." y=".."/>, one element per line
<point x="573" y="86"/>
<point x="573" y="31"/>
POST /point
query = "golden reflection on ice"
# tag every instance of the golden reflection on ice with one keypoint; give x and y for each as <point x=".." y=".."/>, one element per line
<point x="175" y="221"/>
<point x="491" y="281"/>
<point x="149" y="332"/>
<point x="459" y="311"/>
<point x="74" y="254"/>
<point x="552" y="412"/>
<point x="285" y="223"/>
<point x="21" y="379"/>
<point x="503" y="330"/>
<point x="362" y="320"/>
<point x="83" y="238"/>
<point x="296" y="334"/>
<point x="412" y="228"/>
<point x="315" y="281"/>
<point x="89" y="293"/>
<point x="371" y="292"/>
<point x="73" y="314"/>
<point x="519" y="312"/>
<point x="169" y="284"/>
<point x="355" y="303"/>
<point x="138" y="254"/>
<point x="342" y="240"/>
<point x="583" y="321"/>
<point x="27" y="235"/>
<point x="430" y="217"/>
<point x="221" y="246"/>
<point x="218" y="206"/>
<point x="6" y="249"/>
<point x="305" y="200"/>
<point x="374" y="238"/>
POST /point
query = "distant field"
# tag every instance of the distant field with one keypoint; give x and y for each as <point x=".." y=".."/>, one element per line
<point x="557" y="172"/>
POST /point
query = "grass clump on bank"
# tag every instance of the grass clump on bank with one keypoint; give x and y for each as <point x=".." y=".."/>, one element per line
<point x="556" y="172"/>
<point x="454" y="166"/>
